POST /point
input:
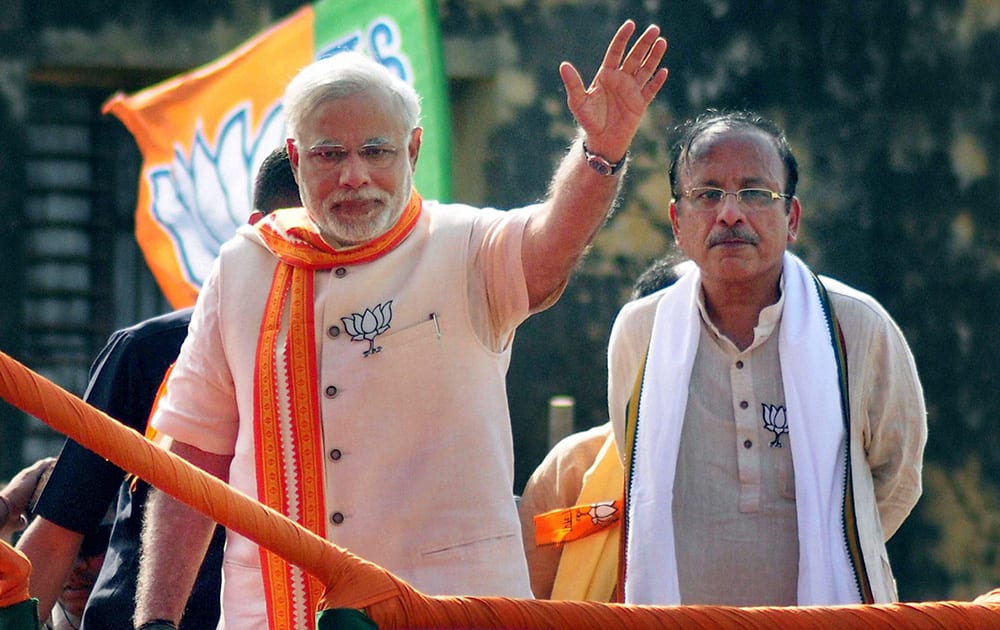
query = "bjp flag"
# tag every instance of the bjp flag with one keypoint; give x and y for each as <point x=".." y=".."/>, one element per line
<point x="204" y="134"/>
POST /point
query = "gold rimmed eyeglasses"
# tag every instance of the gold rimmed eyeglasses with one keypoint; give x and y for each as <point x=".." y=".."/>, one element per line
<point x="710" y="197"/>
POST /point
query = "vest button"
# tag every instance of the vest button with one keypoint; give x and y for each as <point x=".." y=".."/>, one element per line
<point x="340" y="272"/>
<point x="336" y="518"/>
<point x="335" y="454"/>
<point x="331" y="391"/>
<point x="333" y="331"/>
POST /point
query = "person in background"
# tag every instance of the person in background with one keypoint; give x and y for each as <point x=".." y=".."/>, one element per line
<point x="660" y="274"/>
<point x="392" y="347"/>
<point x="776" y="420"/>
<point x="124" y="381"/>
<point x="580" y="482"/>
<point x="67" y="614"/>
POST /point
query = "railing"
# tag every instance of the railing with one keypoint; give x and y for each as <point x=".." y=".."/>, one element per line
<point x="354" y="583"/>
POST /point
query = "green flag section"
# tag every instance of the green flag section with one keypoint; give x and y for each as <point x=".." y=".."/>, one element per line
<point x="344" y="619"/>
<point x="204" y="134"/>
<point x="24" y="616"/>
<point x="403" y="36"/>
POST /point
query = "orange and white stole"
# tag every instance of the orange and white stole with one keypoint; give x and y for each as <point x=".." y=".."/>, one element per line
<point x="288" y="430"/>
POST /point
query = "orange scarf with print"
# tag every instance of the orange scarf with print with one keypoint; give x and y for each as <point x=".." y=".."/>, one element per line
<point x="287" y="418"/>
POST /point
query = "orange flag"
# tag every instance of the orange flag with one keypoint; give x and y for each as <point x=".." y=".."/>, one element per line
<point x="204" y="134"/>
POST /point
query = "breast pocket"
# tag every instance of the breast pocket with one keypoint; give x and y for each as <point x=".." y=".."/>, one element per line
<point x="428" y="331"/>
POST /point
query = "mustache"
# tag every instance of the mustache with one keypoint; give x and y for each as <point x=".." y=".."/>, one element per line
<point x="735" y="233"/>
<point x="359" y="195"/>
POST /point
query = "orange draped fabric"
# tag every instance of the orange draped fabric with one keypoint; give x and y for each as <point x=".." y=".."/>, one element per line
<point x="14" y="571"/>
<point x="352" y="582"/>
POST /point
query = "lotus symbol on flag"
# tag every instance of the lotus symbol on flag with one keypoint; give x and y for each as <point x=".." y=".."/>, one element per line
<point x="775" y="421"/>
<point x="368" y="325"/>
<point x="204" y="195"/>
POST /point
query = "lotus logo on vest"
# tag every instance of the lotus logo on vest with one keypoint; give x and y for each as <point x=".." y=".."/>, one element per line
<point x="368" y="325"/>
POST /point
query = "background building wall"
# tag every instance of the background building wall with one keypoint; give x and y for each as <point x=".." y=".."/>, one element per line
<point x="890" y="106"/>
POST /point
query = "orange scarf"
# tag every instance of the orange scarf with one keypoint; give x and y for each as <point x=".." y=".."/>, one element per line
<point x="289" y="444"/>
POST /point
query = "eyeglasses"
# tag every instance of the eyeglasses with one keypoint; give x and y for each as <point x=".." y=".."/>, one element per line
<point x="710" y="198"/>
<point x="377" y="155"/>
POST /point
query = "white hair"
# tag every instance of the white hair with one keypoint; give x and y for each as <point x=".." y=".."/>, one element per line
<point x="341" y="75"/>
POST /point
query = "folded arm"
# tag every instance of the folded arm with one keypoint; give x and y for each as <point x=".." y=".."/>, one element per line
<point x="897" y="420"/>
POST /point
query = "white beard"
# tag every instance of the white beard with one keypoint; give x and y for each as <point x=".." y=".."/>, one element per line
<point x="356" y="232"/>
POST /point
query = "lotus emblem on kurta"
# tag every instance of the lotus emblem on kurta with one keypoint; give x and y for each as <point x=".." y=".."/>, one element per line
<point x="775" y="421"/>
<point x="368" y="325"/>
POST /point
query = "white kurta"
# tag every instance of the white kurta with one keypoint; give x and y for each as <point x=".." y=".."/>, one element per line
<point x="888" y="416"/>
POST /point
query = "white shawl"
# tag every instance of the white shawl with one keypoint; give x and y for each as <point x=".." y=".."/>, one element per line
<point x="815" y="424"/>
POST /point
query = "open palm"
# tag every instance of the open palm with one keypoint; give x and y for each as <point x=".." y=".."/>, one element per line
<point x="609" y="110"/>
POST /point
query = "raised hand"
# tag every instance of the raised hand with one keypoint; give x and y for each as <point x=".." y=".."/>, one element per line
<point x="610" y="109"/>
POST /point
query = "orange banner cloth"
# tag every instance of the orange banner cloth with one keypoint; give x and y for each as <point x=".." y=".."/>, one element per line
<point x="14" y="571"/>
<point x="352" y="582"/>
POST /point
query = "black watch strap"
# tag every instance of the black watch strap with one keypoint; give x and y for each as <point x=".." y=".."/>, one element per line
<point x="601" y="164"/>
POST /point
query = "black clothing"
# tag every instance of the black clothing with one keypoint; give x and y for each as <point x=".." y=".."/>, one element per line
<point x="124" y="380"/>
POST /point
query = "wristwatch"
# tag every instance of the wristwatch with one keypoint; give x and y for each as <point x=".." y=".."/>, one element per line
<point x="601" y="164"/>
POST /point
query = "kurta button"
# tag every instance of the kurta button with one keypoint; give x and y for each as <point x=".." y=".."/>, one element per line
<point x="747" y="443"/>
<point x="333" y="331"/>
<point x="336" y="518"/>
<point x="739" y="365"/>
<point x="331" y="391"/>
<point x="743" y="404"/>
<point x="335" y="454"/>
<point x="340" y="272"/>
